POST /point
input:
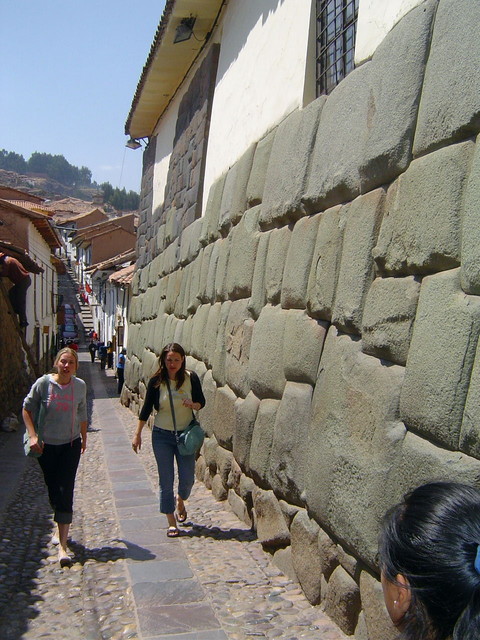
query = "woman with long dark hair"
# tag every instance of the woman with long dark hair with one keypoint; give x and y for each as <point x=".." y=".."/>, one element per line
<point x="63" y="436"/>
<point x="430" y="562"/>
<point x="187" y="396"/>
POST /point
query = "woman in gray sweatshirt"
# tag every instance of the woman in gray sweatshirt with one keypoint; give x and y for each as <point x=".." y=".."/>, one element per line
<point x="63" y="436"/>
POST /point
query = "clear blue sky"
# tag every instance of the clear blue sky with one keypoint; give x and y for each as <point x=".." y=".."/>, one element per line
<point x="68" y="74"/>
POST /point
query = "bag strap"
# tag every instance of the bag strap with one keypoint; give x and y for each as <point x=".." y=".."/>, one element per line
<point x="172" y="409"/>
<point x="41" y="414"/>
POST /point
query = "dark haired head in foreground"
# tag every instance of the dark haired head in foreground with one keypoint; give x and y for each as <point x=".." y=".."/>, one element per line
<point x="430" y="561"/>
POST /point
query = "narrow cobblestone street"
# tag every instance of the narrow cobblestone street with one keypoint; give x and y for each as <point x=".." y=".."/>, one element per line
<point x="128" y="580"/>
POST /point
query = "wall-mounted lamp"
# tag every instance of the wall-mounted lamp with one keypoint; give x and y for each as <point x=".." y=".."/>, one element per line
<point x="133" y="144"/>
<point x="184" y="31"/>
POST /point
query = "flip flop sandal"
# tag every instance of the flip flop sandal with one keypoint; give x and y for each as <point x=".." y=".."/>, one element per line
<point x="182" y="515"/>
<point x="173" y="532"/>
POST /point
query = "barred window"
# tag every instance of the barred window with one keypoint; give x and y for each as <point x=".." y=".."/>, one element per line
<point x="336" y="30"/>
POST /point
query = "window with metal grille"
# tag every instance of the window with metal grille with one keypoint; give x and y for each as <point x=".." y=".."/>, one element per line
<point x="336" y="29"/>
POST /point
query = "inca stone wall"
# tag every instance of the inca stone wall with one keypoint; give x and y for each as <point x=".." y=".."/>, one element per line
<point x="329" y="299"/>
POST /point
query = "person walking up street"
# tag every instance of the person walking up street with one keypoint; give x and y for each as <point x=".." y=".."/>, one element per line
<point x="121" y="370"/>
<point x="63" y="437"/>
<point x="187" y="396"/>
<point x="92" y="349"/>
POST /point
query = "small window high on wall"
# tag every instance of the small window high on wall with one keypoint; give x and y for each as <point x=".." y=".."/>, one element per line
<point x="336" y="29"/>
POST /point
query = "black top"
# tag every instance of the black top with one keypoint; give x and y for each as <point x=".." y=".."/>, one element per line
<point x="152" y="397"/>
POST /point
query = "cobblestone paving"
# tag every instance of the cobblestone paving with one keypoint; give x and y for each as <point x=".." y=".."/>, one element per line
<point x="93" y="600"/>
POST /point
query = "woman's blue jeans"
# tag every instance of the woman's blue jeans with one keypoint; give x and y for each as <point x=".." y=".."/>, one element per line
<point x="165" y="450"/>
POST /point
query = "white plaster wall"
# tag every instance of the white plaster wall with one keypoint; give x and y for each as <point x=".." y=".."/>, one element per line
<point x="375" y="19"/>
<point x="261" y="76"/>
<point x="165" y="132"/>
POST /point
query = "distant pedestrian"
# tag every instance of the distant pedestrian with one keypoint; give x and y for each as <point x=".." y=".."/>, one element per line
<point x="110" y="355"/>
<point x="92" y="349"/>
<point x="12" y="269"/>
<point x="102" y="354"/>
<point x="121" y="370"/>
<point x="72" y="345"/>
<point x="64" y="437"/>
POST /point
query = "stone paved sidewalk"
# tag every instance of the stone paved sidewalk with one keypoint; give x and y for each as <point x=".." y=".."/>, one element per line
<point x="129" y="580"/>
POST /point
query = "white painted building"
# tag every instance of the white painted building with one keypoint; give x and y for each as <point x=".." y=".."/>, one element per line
<point x="266" y="69"/>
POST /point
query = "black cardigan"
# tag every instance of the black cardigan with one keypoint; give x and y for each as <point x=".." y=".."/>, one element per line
<point x="152" y="397"/>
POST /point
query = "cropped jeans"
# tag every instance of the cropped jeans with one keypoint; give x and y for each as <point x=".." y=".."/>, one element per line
<point x="165" y="450"/>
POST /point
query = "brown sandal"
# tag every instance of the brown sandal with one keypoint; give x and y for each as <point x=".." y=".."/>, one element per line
<point x="182" y="515"/>
<point x="173" y="532"/>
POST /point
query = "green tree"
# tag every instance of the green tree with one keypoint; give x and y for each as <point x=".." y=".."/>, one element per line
<point x="11" y="161"/>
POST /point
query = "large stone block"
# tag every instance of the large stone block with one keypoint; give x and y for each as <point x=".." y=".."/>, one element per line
<point x="203" y="283"/>
<point x="440" y="360"/>
<point x="299" y="263"/>
<point x="243" y="252"/>
<point x="339" y="146"/>
<point x="470" y="273"/>
<point x="258" y="298"/>
<point x="224" y="417"/>
<point x="210" y="228"/>
<point x="245" y="415"/>
<point x="220" y="354"/>
<point x="170" y="256"/>
<point x="387" y="321"/>
<point x="322" y="282"/>
<point x="342" y="601"/>
<point x="397" y="70"/>
<point x="200" y="320"/>
<point x="212" y="271"/>
<point x="266" y="370"/>
<point x="192" y="300"/>
<point x="272" y="530"/>
<point x="302" y="346"/>
<point x="224" y="249"/>
<point x="306" y="556"/>
<point x="287" y="459"/>
<point x="275" y="264"/>
<point x="262" y="440"/>
<point x="420" y="461"/>
<point x="354" y="437"/>
<point x="450" y="105"/>
<point x="190" y="242"/>
<point x="256" y="181"/>
<point x="238" y="330"/>
<point x="288" y="166"/>
<point x="356" y="266"/>
<point x="420" y="232"/>
<point x="470" y="430"/>
<point x="234" y="196"/>
<point x="211" y="332"/>
<point x="377" y="620"/>
<point x="207" y="414"/>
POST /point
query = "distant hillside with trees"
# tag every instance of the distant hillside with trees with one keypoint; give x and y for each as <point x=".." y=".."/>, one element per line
<point x="57" y="168"/>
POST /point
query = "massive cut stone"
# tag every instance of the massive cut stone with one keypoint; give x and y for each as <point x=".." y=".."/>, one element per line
<point x="302" y="346"/>
<point x="211" y="332"/>
<point x="387" y="321"/>
<point x="299" y="263"/>
<point x="256" y="181"/>
<point x="272" y="530"/>
<point x="258" y="297"/>
<point x="377" y="620"/>
<point x="266" y="369"/>
<point x="356" y="266"/>
<point x="275" y="263"/>
<point x="354" y="437"/>
<point x="210" y="229"/>
<point x="241" y="263"/>
<point x="288" y="166"/>
<point x="190" y="242"/>
<point x="224" y="417"/>
<point x="342" y="600"/>
<point x="225" y="246"/>
<point x="207" y="414"/>
<point x="238" y="330"/>
<point x="234" y="198"/>
<point x="306" y="556"/>
<point x="420" y="232"/>
<point x="470" y="272"/>
<point x="219" y="369"/>
<point x="212" y="271"/>
<point x="440" y="360"/>
<point x="287" y="459"/>
<point x="245" y="416"/>
<point x="470" y="430"/>
<point x="450" y="105"/>
<point x="261" y="444"/>
<point x="326" y="257"/>
<point x="200" y="320"/>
